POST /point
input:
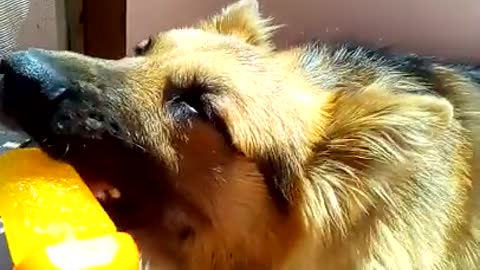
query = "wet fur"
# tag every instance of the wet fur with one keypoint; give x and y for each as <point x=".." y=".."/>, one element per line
<point x="231" y="154"/>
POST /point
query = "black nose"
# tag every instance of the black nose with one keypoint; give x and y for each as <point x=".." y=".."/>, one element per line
<point x="33" y="85"/>
<point x="33" y="71"/>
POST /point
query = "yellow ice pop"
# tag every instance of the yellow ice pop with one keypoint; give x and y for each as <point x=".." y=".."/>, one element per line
<point x="44" y="204"/>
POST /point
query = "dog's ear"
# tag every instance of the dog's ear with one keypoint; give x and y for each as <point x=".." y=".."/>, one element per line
<point x="243" y="20"/>
<point x="389" y="127"/>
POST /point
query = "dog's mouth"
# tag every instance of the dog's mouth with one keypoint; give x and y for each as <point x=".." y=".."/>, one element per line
<point x="120" y="177"/>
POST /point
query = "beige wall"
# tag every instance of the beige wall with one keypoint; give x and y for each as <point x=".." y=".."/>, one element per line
<point x="45" y="25"/>
<point x="148" y="16"/>
<point x="448" y="28"/>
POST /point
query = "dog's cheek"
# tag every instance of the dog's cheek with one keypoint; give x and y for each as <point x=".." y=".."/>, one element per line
<point x="216" y="209"/>
<point x="237" y="218"/>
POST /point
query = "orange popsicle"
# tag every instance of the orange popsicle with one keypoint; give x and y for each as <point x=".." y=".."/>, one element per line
<point x="44" y="202"/>
<point x="115" y="251"/>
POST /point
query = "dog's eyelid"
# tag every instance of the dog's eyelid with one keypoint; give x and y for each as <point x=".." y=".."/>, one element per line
<point x="196" y="103"/>
<point x="194" y="100"/>
<point x="192" y="109"/>
<point x="144" y="46"/>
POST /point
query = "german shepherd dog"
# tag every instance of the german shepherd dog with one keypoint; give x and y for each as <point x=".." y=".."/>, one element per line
<point x="231" y="154"/>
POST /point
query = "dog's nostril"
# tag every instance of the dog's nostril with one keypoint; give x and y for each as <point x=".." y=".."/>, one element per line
<point x="2" y="66"/>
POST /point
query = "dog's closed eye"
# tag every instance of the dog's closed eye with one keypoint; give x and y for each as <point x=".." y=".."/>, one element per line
<point x="186" y="103"/>
<point x="143" y="47"/>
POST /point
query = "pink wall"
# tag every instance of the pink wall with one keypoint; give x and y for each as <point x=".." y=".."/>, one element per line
<point x="443" y="28"/>
<point x="44" y="26"/>
<point x="145" y="17"/>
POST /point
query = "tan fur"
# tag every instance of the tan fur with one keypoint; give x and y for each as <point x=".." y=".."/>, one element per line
<point x="362" y="171"/>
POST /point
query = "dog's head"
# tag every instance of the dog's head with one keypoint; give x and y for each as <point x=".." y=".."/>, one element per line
<point x="203" y="132"/>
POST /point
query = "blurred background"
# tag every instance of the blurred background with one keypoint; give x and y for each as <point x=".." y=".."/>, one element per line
<point x="111" y="28"/>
